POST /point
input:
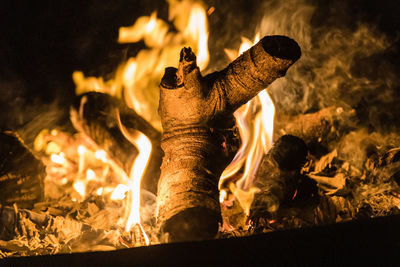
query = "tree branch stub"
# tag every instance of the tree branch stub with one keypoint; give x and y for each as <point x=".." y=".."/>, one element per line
<point x="197" y="117"/>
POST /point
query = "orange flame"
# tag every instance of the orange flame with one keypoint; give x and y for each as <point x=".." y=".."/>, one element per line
<point x="137" y="79"/>
<point x="144" y="147"/>
<point x="196" y="31"/>
<point x="255" y="120"/>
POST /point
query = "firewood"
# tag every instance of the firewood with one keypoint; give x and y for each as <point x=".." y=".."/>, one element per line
<point x="318" y="125"/>
<point x="196" y="115"/>
<point x="278" y="175"/>
<point x="95" y="115"/>
<point x="21" y="173"/>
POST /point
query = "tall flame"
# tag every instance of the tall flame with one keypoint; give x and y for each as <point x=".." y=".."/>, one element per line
<point x="255" y="121"/>
<point x="197" y="31"/>
<point x="143" y="145"/>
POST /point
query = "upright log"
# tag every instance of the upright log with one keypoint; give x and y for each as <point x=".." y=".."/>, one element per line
<point x="196" y="115"/>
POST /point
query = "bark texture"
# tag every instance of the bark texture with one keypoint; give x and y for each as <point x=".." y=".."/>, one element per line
<point x="199" y="133"/>
<point x="327" y="122"/>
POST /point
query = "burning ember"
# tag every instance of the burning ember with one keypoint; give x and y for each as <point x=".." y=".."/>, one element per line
<point x="159" y="154"/>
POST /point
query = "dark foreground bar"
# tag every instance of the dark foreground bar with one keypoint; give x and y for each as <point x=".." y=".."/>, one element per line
<point x="363" y="242"/>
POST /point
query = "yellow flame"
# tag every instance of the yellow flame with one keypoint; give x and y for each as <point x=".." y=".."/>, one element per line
<point x="149" y="28"/>
<point x="99" y="191"/>
<point x="137" y="79"/>
<point x="129" y="72"/>
<point x="81" y="149"/>
<point x="197" y="31"/>
<point x="267" y="116"/>
<point x="90" y="175"/>
<point x="119" y="192"/>
<point x="80" y="187"/>
<point x="139" y="166"/>
<point x="58" y="158"/>
<point x="53" y="148"/>
<point x="144" y="147"/>
<point x="222" y="195"/>
<point x="101" y="155"/>
<point x="255" y="121"/>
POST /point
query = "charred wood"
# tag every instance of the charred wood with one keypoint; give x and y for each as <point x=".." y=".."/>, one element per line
<point x="21" y="173"/>
<point x="316" y="126"/>
<point x="278" y="176"/>
<point x="95" y="114"/>
<point x="196" y="115"/>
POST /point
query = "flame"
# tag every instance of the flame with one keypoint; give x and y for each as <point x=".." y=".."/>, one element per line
<point x="137" y="79"/>
<point x="119" y="192"/>
<point x="222" y="195"/>
<point x="144" y="147"/>
<point x="101" y="155"/>
<point x="58" y="158"/>
<point x="197" y="31"/>
<point x="80" y="187"/>
<point x="90" y="175"/>
<point x="255" y="121"/>
<point x="99" y="191"/>
<point x="81" y="149"/>
<point x="149" y="28"/>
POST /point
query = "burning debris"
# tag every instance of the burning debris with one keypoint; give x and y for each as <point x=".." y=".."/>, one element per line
<point x="212" y="159"/>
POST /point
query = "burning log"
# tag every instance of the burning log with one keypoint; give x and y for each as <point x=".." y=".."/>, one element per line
<point x="96" y="116"/>
<point x="196" y="115"/>
<point x="21" y="173"/>
<point x="278" y="175"/>
<point x="313" y="126"/>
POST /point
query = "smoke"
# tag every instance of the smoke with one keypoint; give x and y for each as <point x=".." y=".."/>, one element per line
<point x="349" y="53"/>
<point x="341" y="64"/>
<point x="348" y="60"/>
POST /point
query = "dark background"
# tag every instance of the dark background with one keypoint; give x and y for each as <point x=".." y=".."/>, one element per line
<point x="43" y="42"/>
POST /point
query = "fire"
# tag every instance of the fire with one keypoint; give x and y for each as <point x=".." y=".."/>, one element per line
<point x="136" y="80"/>
<point x="255" y="120"/>
<point x="58" y="158"/>
<point x="84" y="173"/>
<point x="80" y="187"/>
<point x="101" y="155"/>
<point x="143" y="144"/>
<point x="197" y="31"/>
<point x="90" y="175"/>
<point x="119" y="192"/>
